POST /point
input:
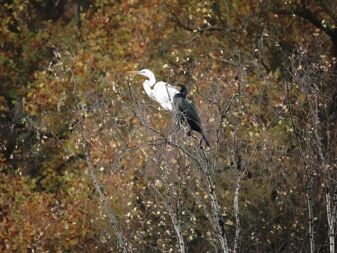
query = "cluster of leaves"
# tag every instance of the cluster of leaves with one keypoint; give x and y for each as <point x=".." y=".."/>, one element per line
<point x="82" y="146"/>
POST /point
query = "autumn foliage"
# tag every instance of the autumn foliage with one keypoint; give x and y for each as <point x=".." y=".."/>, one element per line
<point x="89" y="163"/>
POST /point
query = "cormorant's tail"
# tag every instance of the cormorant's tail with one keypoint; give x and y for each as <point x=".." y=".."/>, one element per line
<point x="205" y="139"/>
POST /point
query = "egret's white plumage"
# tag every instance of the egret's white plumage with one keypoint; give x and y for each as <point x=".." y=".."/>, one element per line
<point x="160" y="91"/>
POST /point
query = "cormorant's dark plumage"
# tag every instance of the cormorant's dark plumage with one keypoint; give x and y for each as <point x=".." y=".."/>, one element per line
<point x="187" y="113"/>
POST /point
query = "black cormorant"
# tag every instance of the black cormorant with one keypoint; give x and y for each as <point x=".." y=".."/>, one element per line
<point x="188" y="114"/>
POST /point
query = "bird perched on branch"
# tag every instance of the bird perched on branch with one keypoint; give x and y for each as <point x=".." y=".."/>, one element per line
<point x="160" y="91"/>
<point x="188" y="114"/>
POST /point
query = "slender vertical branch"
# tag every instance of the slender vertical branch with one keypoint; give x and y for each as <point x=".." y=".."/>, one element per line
<point x="331" y="219"/>
<point x="237" y="161"/>
<point x="219" y="223"/>
<point x="297" y="136"/>
<point x="311" y="216"/>
<point x="237" y="214"/>
<point x="177" y="215"/>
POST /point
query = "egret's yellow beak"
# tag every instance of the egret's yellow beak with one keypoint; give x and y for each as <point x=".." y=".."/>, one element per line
<point x="133" y="72"/>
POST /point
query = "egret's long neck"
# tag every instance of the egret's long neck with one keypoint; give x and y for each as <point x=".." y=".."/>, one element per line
<point x="148" y="84"/>
<point x="151" y="81"/>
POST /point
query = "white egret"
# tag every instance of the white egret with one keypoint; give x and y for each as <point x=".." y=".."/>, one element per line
<point x="160" y="91"/>
<point x="188" y="114"/>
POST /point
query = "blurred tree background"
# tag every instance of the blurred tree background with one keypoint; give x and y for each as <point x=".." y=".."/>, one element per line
<point x="88" y="163"/>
